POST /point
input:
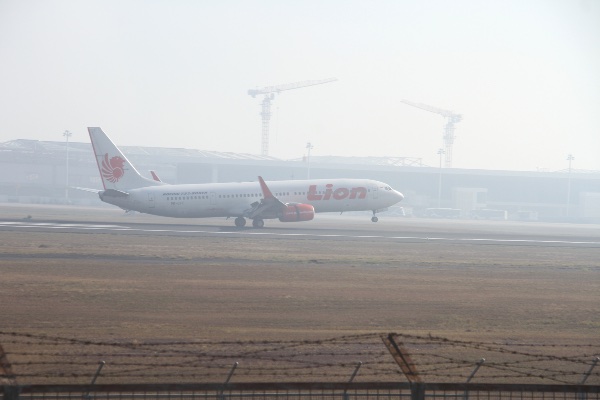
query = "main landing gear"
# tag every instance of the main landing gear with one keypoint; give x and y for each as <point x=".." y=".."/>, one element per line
<point x="374" y="218"/>
<point x="240" y="222"/>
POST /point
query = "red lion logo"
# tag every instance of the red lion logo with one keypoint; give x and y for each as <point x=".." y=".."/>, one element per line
<point x="112" y="170"/>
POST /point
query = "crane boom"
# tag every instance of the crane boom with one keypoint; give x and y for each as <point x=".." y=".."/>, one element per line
<point x="443" y="113"/>
<point x="288" y="86"/>
<point x="451" y="119"/>
<point x="269" y="92"/>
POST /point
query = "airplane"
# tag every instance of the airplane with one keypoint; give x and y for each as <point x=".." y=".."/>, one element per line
<point x="288" y="201"/>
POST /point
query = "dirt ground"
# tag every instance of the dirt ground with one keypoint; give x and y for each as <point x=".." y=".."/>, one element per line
<point x="110" y="286"/>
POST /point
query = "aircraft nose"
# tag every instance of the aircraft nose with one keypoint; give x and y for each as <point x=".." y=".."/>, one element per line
<point x="399" y="195"/>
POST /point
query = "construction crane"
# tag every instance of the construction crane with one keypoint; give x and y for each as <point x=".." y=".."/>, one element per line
<point x="269" y="93"/>
<point x="451" y="119"/>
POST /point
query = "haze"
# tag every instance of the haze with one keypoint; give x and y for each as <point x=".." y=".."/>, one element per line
<point x="524" y="75"/>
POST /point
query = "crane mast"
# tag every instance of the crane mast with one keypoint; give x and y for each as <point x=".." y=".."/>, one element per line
<point x="269" y="92"/>
<point x="451" y="119"/>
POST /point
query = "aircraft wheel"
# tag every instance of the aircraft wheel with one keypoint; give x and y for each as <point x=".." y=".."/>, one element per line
<point x="374" y="219"/>
<point x="258" y="223"/>
<point x="240" y="222"/>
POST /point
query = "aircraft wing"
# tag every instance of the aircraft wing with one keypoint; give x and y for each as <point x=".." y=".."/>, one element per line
<point x="268" y="207"/>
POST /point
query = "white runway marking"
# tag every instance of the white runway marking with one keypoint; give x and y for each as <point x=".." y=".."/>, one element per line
<point x="48" y="225"/>
<point x="55" y="225"/>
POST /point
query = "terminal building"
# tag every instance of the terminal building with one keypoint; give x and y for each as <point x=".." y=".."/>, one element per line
<point x="34" y="171"/>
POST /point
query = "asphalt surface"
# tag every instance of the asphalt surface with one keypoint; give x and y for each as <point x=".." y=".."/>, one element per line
<point x="324" y="227"/>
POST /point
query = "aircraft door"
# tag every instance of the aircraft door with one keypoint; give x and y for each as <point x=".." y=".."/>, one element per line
<point x="213" y="198"/>
<point x="375" y="196"/>
<point x="151" y="200"/>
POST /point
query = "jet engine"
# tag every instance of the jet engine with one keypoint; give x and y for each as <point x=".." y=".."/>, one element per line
<point x="297" y="212"/>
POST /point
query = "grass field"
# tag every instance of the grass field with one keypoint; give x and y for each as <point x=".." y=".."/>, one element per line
<point x="150" y="287"/>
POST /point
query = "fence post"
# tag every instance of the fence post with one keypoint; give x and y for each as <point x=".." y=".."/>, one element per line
<point x="221" y="394"/>
<point x="351" y="379"/>
<point x="417" y="391"/>
<point x="100" y="365"/>
<point x="479" y="364"/>
<point x="402" y="358"/>
<point x="589" y="371"/>
<point x="583" y="396"/>
<point x="6" y="373"/>
<point x="11" y="392"/>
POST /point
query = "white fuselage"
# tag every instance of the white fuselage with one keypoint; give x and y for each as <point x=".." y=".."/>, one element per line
<point x="233" y="199"/>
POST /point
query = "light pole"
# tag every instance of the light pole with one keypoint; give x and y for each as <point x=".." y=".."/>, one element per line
<point x="569" y="159"/>
<point x="441" y="153"/>
<point x="67" y="135"/>
<point x="309" y="146"/>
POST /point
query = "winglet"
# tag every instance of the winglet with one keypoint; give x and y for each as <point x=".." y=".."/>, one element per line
<point x="267" y="194"/>
<point x="154" y="176"/>
<point x="265" y="189"/>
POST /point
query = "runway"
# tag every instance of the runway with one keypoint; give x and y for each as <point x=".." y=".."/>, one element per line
<point x="333" y="227"/>
<point x="146" y="276"/>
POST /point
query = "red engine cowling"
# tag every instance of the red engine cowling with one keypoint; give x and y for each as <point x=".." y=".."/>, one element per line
<point x="297" y="212"/>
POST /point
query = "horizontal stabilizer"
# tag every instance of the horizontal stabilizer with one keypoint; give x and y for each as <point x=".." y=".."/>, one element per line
<point x="114" y="193"/>
<point x="86" y="189"/>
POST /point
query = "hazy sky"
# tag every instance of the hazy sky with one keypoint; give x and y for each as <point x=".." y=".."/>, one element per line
<point x="525" y="75"/>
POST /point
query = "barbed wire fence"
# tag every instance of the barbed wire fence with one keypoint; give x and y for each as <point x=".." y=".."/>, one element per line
<point x="44" y="359"/>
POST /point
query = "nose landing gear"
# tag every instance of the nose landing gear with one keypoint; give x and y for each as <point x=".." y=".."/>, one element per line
<point x="374" y="218"/>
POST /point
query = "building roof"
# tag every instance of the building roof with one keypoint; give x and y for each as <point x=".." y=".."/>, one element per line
<point x="49" y="147"/>
<point x="54" y="149"/>
<point x="385" y="161"/>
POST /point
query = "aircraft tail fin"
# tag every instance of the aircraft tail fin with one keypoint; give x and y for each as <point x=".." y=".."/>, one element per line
<point x="116" y="171"/>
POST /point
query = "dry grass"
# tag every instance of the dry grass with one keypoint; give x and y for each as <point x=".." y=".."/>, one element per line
<point x="175" y="287"/>
<point x="147" y="287"/>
